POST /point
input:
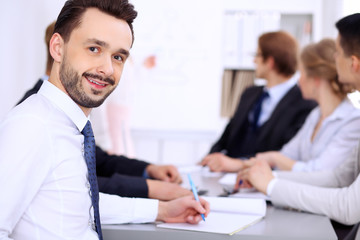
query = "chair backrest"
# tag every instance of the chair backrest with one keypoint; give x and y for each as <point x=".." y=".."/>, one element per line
<point x="354" y="234"/>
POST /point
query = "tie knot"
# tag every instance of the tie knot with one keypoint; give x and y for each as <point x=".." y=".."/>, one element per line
<point x="264" y="95"/>
<point x="87" y="131"/>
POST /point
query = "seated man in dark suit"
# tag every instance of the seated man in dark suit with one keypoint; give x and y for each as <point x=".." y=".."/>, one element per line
<point x="266" y="117"/>
<point x="123" y="176"/>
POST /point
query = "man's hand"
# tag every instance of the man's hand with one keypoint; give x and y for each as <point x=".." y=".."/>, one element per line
<point x="257" y="175"/>
<point x="218" y="162"/>
<point x="185" y="209"/>
<point x="167" y="173"/>
<point x="165" y="191"/>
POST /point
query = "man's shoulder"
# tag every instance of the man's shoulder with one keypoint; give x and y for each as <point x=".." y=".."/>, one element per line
<point x="294" y="94"/>
<point x="252" y="90"/>
<point x="31" y="91"/>
<point x="36" y="109"/>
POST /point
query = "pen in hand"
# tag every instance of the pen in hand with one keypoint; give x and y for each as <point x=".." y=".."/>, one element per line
<point x="193" y="189"/>
<point x="237" y="189"/>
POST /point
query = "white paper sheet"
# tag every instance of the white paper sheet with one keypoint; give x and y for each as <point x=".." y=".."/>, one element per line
<point x="227" y="216"/>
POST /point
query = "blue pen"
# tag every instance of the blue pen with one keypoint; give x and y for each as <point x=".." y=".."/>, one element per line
<point x="238" y="190"/>
<point x="193" y="189"/>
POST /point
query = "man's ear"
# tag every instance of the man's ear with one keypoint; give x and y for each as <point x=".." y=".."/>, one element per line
<point x="355" y="63"/>
<point x="56" y="47"/>
<point x="317" y="81"/>
<point x="270" y="62"/>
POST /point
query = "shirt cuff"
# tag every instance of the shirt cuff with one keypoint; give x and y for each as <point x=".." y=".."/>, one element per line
<point x="119" y="210"/>
<point x="270" y="186"/>
<point x="298" y="167"/>
<point x="145" y="174"/>
<point x="146" y="210"/>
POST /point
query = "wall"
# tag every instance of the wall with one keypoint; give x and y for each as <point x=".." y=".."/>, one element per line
<point x="22" y="61"/>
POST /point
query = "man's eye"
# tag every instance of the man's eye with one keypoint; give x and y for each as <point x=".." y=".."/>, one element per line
<point x="118" y="57"/>
<point x="94" y="49"/>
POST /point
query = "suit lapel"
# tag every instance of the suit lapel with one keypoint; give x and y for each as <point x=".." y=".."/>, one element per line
<point x="242" y="113"/>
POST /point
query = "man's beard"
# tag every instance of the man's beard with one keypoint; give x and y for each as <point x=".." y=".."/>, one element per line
<point x="74" y="88"/>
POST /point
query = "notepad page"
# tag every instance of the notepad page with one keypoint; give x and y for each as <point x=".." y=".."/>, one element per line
<point x="250" y="194"/>
<point x="227" y="215"/>
<point x="217" y="222"/>
<point x="251" y="206"/>
<point x="228" y="179"/>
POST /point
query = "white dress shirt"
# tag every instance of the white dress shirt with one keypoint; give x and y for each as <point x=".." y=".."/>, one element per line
<point x="276" y="93"/>
<point x="43" y="174"/>
<point x="334" y="193"/>
<point x="338" y="134"/>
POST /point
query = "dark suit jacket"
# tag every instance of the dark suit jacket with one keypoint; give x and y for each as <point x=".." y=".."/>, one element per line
<point x="116" y="174"/>
<point x="286" y="119"/>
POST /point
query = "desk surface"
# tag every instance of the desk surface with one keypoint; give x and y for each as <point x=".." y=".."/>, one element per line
<point x="278" y="224"/>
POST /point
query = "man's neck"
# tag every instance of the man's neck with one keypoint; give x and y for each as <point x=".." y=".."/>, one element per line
<point x="274" y="79"/>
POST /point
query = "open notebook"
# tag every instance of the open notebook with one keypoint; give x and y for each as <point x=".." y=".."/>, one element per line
<point x="227" y="216"/>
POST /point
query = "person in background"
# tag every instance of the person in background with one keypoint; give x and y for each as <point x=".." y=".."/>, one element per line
<point x="267" y="116"/>
<point x="47" y="149"/>
<point x="332" y="129"/>
<point x="121" y="175"/>
<point x="334" y="193"/>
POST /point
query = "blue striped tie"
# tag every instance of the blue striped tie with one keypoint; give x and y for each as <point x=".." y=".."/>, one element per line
<point x="89" y="152"/>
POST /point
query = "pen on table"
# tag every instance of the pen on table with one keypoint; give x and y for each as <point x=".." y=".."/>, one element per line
<point x="193" y="189"/>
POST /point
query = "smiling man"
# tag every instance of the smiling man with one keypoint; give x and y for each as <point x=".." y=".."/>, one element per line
<point x="97" y="56"/>
<point x="47" y="162"/>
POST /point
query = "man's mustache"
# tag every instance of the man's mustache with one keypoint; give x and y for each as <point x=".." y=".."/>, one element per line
<point x="96" y="76"/>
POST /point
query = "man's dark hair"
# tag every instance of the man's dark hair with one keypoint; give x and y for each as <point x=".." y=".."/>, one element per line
<point x="283" y="48"/>
<point x="349" y="30"/>
<point x="71" y="14"/>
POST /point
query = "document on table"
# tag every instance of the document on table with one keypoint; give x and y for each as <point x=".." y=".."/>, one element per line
<point x="227" y="216"/>
<point x="228" y="182"/>
<point x="204" y="171"/>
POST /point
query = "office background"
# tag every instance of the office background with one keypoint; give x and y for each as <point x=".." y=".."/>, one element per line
<point x="175" y="105"/>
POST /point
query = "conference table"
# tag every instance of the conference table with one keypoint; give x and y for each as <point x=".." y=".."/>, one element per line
<point x="278" y="223"/>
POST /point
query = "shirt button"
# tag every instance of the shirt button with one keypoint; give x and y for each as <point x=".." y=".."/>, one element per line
<point x="87" y="185"/>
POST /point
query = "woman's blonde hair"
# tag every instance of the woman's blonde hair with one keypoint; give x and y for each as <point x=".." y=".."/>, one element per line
<point x="319" y="61"/>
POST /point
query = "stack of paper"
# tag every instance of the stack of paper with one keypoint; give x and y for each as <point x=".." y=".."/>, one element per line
<point x="227" y="216"/>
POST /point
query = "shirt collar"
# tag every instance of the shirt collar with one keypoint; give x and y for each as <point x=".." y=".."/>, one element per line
<point x="65" y="103"/>
<point x="45" y="77"/>
<point x="342" y="111"/>
<point x="278" y="91"/>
